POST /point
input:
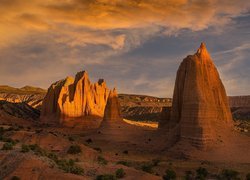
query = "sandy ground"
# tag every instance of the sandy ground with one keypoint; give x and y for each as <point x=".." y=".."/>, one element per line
<point x="134" y="144"/>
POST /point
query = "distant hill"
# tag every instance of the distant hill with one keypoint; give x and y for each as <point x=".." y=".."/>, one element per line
<point x="23" y="90"/>
<point x="134" y="106"/>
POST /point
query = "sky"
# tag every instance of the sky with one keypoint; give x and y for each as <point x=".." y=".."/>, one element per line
<point x="135" y="45"/>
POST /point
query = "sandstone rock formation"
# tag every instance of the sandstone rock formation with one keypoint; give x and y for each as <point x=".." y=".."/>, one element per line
<point x="200" y="105"/>
<point x="75" y="99"/>
<point x="112" y="114"/>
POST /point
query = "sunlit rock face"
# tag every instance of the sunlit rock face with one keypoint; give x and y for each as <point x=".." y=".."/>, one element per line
<point x="200" y="105"/>
<point x="74" y="98"/>
<point x="112" y="115"/>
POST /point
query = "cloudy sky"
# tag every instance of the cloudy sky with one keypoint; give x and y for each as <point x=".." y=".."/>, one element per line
<point x="135" y="45"/>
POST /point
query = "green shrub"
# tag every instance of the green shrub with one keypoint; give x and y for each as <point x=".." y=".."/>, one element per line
<point x="125" y="163"/>
<point x="120" y="173"/>
<point x="201" y="173"/>
<point x="156" y="162"/>
<point x="169" y="175"/>
<point x="38" y="150"/>
<point x="229" y="174"/>
<point x="1" y="131"/>
<point x="106" y="177"/>
<point x="248" y="176"/>
<point x="53" y="157"/>
<point x="98" y="149"/>
<point x="101" y="160"/>
<point x="25" y="148"/>
<point x="7" y="146"/>
<point x="71" y="138"/>
<point x="15" y="178"/>
<point x="69" y="166"/>
<point x="147" y="168"/>
<point x="74" y="149"/>
<point x="189" y="175"/>
<point x="125" y="152"/>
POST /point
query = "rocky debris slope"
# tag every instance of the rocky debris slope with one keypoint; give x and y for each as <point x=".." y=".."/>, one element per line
<point x="74" y="99"/>
<point x="200" y="104"/>
<point x="33" y="96"/>
<point x="141" y="107"/>
<point x="18" y="110"/>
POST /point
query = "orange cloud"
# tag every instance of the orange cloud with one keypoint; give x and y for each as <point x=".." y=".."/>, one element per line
<point x="92" y="21"/>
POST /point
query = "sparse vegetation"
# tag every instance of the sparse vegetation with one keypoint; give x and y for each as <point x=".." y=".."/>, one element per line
<point x="89" y="141"/>
<point x="7" y="146"/>
<point x="101" y="160"/>
<point x="229" y="174"/>
<point x="189" y="175"/>
<point x="156" y="162"/>
<point x="125" y="163"/>
<point x="98" y="149"/>
<point x="125" y="152"/>
<point x="74" y="149"/>
<point x="106" y="177"/>
<point x="248" y="176"/>
<point x="120" y="173"/>
<point x="67" y="166"/>
<point x="71" y="138"/>
<point x="15" y="178"/>
<point x="25" y="148"/>
<point x="147" y="168"/>
<point x="169" y="175"/>
<point x="201" y="173"/>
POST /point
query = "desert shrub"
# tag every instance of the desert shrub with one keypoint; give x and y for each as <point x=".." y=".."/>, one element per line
<point x="189" y="175"/>
<point x="9" y="140"/>
<point x="89" y="141"/>
<point x="169" y="175"/>
<point x="248" y="176"/>
<point x="25" y="148"/>
<point x="98" y="149"/>
<point x="7" y="146"/>
<point x="106" y="177"/>
<point x="101" y="160"/>
<point x="15" y="178"/>
<point x="53" y="157"/>
<point x="125" y="163"/>
<point x="38" y="150"/>
<point x="1" y="131"/>
<point x="120" y="173"/>
<point x="147" y="168"/>
<point x="156" y="162"/>
<point x="229" y="174"/>
<point x="74" y="149"/>
<point x="201" y="173"/>
<point x="71" y="138"/>
<point x="69" y="166"/>
<point x="38" y="131"/>
<point x="125" y="152"/>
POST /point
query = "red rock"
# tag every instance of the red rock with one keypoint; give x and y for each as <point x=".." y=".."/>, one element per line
<point x="200" y="105"/>
<point x="74" y="98"/>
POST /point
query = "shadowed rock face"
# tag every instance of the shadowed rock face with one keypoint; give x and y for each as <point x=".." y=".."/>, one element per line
<point x="200" y="104"/>
<point x="112" y="115"/>
<point x="75" y="98"/>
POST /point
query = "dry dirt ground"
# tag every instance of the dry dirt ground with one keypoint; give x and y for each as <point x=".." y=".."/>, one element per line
<point x="138" y="149"/>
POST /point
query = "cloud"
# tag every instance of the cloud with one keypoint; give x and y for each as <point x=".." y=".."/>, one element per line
<point x="81" y="22"/>
<point x="45" y="40"/>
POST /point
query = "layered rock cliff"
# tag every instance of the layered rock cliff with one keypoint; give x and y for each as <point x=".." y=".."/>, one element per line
<point x="74" y="98"/>
<point x="200" y="104"/>
<point x="33" y="96"/>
